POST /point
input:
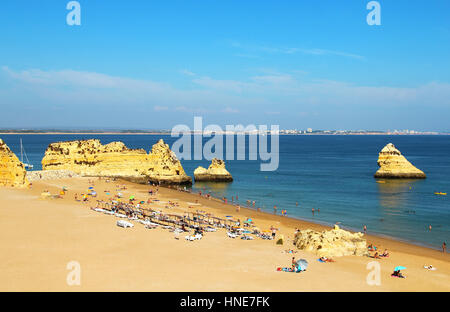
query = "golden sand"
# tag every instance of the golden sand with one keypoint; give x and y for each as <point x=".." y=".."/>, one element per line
<point x="39" y="237"/>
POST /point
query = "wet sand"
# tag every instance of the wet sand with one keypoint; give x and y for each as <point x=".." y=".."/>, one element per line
<point x="41" y="236"/>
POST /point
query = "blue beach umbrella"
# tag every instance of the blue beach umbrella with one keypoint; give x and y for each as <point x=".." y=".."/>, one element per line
<point x="399" y="268"/>
<point x="302" y="264"/>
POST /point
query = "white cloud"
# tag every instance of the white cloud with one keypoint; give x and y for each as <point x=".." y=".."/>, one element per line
<point x="230" y="110"/>
<point x="187" y="72"/>
<point x="160" y="108"/>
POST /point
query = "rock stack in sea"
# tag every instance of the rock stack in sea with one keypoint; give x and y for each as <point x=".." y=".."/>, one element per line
<point x="332" y="243"/>
<point x="393" y="165"/>
<point x="12" y="171"/>
<point x="92" y="159"/>
<point x="216" y="172"/>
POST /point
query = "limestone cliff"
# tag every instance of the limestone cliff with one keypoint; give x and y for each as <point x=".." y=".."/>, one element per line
<point x="333" y="243"/>
<point x="12" y="171"/>
<point x="91" y="158"/>
<point x="216" y="172"/>
<point x="393" y="165"/>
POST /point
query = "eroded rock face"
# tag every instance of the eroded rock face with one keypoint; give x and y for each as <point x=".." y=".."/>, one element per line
<point x="12" y="171"/>
<point x="393" y="165"/>
<point x="91" y="158"/>
<point x="333" y="243"/>
<point x="216" y="172"/>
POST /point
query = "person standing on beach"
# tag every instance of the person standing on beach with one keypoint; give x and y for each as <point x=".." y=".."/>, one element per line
<point x="274" y="231"/>
<point x="444" y="247"/>
<point x="365" y="229"/>
<point x="274" y="209"/>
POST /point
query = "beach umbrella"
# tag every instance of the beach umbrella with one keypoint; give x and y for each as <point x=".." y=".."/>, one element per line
<point x="132" y="197"/>
<point x="399" y="268"/>
<point x="302" y="264"/>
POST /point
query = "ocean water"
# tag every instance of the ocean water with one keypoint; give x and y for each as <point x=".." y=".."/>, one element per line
<point x="332" y="173"/>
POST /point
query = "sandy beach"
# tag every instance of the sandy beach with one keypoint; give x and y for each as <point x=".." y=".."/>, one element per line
<point x="41" y="236"/>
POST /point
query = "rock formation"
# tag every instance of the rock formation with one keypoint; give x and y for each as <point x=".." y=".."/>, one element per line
<point x="216" y="172"/>
<point x="12" y="171"/>
<point x="39" y="175"/>
<point x="91" y="158"/>
<point x="393" y="165"/>
<point x="333" y="243"/>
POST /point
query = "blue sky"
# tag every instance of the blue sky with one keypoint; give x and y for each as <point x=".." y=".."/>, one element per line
<point x="154" y="64"/>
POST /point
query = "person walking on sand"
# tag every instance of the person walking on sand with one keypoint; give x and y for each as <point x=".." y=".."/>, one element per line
<point x="274" y="231"/>
<point x="294" y="264"/>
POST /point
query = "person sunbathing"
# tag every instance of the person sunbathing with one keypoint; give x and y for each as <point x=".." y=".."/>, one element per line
<point x="385" y="253"/>
<point x="376" y="256"/>
<point x="398" y="274"/>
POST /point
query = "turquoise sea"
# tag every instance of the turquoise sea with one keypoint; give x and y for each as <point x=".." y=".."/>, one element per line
<point x="332" y="173"/>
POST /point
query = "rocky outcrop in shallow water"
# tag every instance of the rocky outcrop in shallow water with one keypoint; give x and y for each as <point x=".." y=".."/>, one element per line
<point x="216" y="172"/>
<point x="332" y="243"/>
<point x="393" y="165"/>
<point x="92" y="159"/>
<point x="12" y="171"/>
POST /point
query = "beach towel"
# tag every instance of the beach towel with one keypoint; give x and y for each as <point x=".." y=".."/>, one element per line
<point x="429" y="267"/>
<point x="124" y="224"/>
<point x="290" y="270"/>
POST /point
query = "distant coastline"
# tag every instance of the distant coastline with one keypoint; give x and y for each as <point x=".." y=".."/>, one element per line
<point x="168" y="132"/>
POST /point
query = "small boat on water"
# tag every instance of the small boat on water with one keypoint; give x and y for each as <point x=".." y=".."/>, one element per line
<point x="440" y="193"/>
<point x="27" y="164"/>
<point x="381" y="181"/>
